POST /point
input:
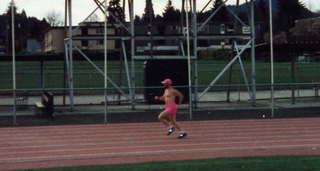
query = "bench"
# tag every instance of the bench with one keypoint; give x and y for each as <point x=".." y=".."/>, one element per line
<point x="22" y="100"/>
<point x="45" y="107"/>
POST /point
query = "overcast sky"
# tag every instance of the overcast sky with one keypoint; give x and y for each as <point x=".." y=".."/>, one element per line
<point x="82" y="8"/>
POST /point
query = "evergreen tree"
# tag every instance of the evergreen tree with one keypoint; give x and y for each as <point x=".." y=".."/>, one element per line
<point x="222" y="14"/>
<point x="171" y="14"/>
<point x="262" y="18"/>
<point x="25" y="28"/>
<point x="262" y="11"/>
<point x="289" y="11"/>
<point x="148" y="15"/>
<point x="117" y="11"/>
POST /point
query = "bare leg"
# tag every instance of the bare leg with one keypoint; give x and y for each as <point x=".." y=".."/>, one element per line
<point x="162" y="118"/>
<point x="174" y="122"/>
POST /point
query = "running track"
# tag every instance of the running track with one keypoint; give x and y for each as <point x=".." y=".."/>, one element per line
<point x="55" y="146"/>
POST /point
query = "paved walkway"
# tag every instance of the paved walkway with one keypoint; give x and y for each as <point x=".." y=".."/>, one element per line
<point x="218" y="96"/>
<point x="214" y="101"/>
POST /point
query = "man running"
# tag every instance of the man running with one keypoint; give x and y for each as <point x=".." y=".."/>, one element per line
<point x="169" y="114"/>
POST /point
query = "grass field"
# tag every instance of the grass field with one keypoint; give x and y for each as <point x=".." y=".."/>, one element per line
<point x="29" y="73"/>
<point x="277" y="163"/>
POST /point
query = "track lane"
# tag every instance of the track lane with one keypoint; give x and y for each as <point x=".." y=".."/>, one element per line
<point x="52" y="146"/>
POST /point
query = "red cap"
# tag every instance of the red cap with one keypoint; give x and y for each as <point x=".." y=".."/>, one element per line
<point x="167" y="82"/>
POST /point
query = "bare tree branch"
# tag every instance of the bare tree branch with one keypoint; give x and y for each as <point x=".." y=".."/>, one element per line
<point x="54" y="19"/>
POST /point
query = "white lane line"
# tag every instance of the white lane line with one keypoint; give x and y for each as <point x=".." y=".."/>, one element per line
<point x="25" y="142"/>
<point x="152" y="153"/>
<point x="136" y="147"/>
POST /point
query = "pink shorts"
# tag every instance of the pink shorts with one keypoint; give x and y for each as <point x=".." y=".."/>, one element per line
<point x="171" y="108"/>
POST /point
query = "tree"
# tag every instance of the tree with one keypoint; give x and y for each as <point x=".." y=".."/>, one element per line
<point x="289" y="11"/>
<point x="171" y="14"/>
<point x="137" y="19"/>
<point x="261" y="11"/>
<point x="54" y="19"/>
<point x="148" y="15"/>
<point x="116" y="10"/>
<point x="8" y="11"/>
<point x="317" y="13"/>
<point x="222" y="14"/>
<point x="25" y="28"/>
<point x="262" y="19"/>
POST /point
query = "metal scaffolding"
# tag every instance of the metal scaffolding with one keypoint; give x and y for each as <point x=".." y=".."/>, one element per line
<point x="189" y="37"/>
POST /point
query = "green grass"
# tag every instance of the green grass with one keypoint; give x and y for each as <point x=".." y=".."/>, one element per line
<point x="278" y="163"/>
<point x="28" y="73"/>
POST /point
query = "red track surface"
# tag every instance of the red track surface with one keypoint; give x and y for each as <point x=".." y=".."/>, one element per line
<point x="55" y="146"/>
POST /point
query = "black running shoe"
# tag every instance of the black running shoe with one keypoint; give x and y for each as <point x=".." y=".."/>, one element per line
<point x="182" y="135"/>
<point x="170" y="130"/>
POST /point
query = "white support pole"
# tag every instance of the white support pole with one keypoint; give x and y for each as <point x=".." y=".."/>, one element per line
<point x="189" y="60"/>
<point x="105" y="62"/>
<point x="272" y="57"/>
<point x="195" y="53"/>
<point x="13" y="64"/>
<point x="182" y="48"/>
<point x="253" y="54"/>
<point x="71" y="56"/>
<point x="132" y="28"/>
<point x="126" y="64"/>
<point x="67" y="60"/>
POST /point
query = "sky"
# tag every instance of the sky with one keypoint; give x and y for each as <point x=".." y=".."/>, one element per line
<point x="82" y="8"/>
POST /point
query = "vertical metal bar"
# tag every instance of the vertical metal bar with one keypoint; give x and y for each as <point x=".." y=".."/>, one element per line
<point x="293" y="80"/>
<point x="67" y="62"/>
<point x="189" y="61"/>
<point x="71" y="56"/>
<point x="64" y="62"/>
<point x="271" y="56"/>
<point x="120" y="77"/>
<point x="105" y="62"/>
<point x="253" y="56"/>
<point x="127" y="67"/>
<point x="195" y="51"/>
<point x="131" y="8"/>
<point x="229" y="83"/>
<point x="65" y="78"/>
<point x="182" y="16"/>
<point x="182" y="49"/>
<point x="124" y="7"/>
<point x="41" y="73"/>
<point x="13" y="64"/>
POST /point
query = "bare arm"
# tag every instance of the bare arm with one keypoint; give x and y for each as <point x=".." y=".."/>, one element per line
<point x="161" y="98"/>
<point x="180" y="96"/>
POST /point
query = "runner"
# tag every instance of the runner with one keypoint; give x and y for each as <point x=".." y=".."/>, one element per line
<point x="168" y="116"/>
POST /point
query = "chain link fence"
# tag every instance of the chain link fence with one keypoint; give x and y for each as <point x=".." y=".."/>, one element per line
<point x="295" y="83"/>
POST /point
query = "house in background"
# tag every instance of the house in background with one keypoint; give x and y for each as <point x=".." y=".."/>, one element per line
<point x="33" y="46"/>
<point x="54" y="38"/>
<point x="306" y="27"/>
